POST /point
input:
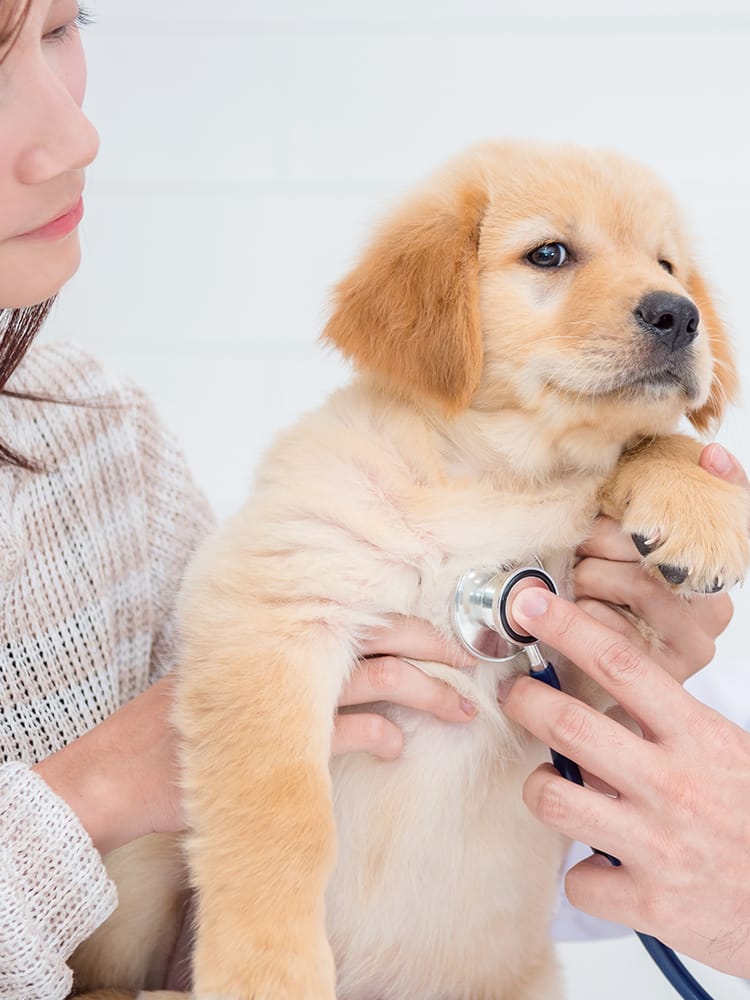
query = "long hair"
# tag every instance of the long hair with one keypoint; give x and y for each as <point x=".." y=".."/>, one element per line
<point x="18" y="327"/>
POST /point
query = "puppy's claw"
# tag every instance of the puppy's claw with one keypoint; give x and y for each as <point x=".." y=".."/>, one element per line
<point x="674" y="574"/>
<point x="643" y="544"/>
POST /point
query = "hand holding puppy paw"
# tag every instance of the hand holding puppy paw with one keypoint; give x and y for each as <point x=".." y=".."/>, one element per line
<point x="610" y="574"/>
<point x="689" y="526"/>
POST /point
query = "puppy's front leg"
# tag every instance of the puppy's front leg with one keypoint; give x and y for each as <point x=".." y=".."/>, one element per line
<point x="690" y="527"/>
<point x="257" y="729"/>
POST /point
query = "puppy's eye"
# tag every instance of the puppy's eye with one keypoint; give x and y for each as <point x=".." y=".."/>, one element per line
<point x="667" y="266"/>
<point x="548" y="255"/>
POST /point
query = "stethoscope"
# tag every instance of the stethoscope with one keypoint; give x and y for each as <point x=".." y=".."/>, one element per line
<point x="482" y="624"/>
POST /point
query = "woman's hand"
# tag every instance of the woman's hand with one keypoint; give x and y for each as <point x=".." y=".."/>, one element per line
<point x="680" y="819"/>
<point x="383" y="676"/>
<point x="122" y="777"/>
<point x="609" y="570"/>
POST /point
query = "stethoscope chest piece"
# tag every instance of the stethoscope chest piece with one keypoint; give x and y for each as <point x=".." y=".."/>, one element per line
<point x="479" y="612"/>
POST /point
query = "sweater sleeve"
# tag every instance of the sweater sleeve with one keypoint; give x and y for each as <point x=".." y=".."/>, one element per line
<point x="54" y="889"/>
<point x="178" y="518"/>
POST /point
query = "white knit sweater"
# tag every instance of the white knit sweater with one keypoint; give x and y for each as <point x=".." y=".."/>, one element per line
<point x="91" y="555"/>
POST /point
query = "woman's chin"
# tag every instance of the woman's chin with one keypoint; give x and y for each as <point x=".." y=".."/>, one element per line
<point x="32" y="275"/>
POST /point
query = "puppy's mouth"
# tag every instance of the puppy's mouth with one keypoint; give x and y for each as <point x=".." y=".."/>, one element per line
<point x="657" y="383"/>
<point x="651" y="382"/>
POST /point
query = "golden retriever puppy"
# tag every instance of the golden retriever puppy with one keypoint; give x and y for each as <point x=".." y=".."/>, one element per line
<point x="528" y="330"/>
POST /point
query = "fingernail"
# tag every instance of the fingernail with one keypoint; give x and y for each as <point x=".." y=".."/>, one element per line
<point x="468" y="708"/>
<point x="531" y="603"/>
<point x="719" y="460"/>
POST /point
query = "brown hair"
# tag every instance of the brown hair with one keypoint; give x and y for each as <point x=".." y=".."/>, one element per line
<point x="18" y="327"/>
<point x="12" y="18"/>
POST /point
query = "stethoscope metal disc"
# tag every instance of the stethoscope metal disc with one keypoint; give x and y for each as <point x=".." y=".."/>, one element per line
<point x="479" y="612"/>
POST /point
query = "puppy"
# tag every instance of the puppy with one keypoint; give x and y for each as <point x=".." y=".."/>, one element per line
<point x="528" y="330"/>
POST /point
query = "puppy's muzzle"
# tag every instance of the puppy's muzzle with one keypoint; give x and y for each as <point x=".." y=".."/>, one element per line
<point x="671" y="319"/>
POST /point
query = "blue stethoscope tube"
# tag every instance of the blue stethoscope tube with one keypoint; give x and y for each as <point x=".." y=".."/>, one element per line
<point x="480" y="608"/>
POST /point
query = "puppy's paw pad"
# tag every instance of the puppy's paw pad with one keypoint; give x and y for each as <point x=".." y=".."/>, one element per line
<point x="675" y="575"/>
<point x="694" y="538"/>
<point x="646" y="545"/>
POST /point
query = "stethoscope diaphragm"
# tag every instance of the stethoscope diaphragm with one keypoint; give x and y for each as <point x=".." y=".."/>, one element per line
<point x="480" y="612"/>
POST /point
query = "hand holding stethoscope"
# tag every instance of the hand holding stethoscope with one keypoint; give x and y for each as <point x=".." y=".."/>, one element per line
<point x="680" y="823"/>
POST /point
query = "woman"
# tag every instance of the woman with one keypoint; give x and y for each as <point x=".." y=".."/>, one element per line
<point x="101" y="517"/>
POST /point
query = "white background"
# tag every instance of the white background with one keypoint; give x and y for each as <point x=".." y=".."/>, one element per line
<point x="248" y="145"/>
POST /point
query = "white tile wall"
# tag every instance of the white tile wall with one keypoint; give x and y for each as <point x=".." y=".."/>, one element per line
<point x="247" y="147"/>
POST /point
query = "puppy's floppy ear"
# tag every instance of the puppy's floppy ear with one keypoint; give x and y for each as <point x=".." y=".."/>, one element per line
<point x="409" y="311"/>
<point x="725" y="383"/>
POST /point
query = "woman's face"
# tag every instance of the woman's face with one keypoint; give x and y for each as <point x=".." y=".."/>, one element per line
<point x="45" y="144"/>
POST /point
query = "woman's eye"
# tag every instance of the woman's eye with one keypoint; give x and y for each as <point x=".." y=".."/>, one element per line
<point x="667" y="266"/>
<point x="549" y="255"/>
<point x="82" y="18"/>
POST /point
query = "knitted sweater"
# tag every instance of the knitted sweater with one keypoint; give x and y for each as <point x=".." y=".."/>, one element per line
<point x="92" y="551"/>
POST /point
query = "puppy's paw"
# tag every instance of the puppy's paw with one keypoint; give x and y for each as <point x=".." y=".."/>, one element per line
<point x="693" y="535"/>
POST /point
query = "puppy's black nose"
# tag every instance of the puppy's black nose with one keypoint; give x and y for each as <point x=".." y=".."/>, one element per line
<point x="672" y="318"/>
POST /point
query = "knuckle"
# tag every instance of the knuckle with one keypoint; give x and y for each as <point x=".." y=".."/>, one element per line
<point x="385" y="673"/>
<point x="372" y="729"/>
<point x="545" y="799"/>
<point x="724" y="611"/>
<point x="710" y="729"/>
<point x="572" y="727"/>
<point x="438" y="697"/>
<point x="619" y="661"/>
<point x="646" y="591"/>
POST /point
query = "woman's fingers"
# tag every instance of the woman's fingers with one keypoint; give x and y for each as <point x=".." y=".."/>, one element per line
<point x="719" y="462"/>
<point x="687" y="629"/>
<point x="416" y="639"/>
<point x="389" y="678"/>
<point x="608" y="541"/>
<point x="630" y="586"/>
<point x="646" y="692"/>
<point x="366" y="732"/>
<point x="383" y="676"/>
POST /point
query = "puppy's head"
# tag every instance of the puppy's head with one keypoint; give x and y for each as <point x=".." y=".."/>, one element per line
<point x="526" y="276"/>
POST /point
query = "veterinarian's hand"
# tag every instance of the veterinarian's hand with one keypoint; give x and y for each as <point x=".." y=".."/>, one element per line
<point x="680" y="822"/>
<point x="609" y="570"/>
<point x="384" y="676"/>
<point x="120" y="778"/>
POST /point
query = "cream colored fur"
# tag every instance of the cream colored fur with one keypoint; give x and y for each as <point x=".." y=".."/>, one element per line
<point x="485" y="424"/>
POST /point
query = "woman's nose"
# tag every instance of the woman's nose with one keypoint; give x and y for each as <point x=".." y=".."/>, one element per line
<point x="60" y="138"/>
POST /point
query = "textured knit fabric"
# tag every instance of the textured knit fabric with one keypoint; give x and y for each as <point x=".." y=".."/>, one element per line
<point x="92" y="551"/>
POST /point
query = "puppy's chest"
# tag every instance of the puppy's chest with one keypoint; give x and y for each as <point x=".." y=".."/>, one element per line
<point x="496" y="529"/>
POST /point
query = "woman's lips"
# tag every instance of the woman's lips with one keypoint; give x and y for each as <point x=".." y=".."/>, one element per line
<point x="59" y="227"/>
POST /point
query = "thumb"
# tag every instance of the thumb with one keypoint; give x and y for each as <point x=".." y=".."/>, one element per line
<point x="721" y="463"/>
